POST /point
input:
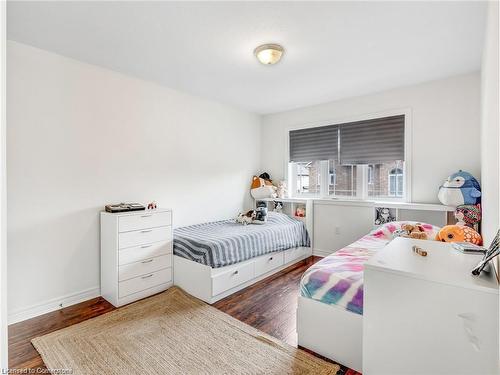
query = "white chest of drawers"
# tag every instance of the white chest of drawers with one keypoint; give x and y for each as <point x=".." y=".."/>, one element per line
<point x="428" y="315"/>
<point x="136" y="254"/>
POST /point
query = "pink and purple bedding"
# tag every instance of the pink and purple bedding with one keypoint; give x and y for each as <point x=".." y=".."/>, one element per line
<point x="338" y="278"/>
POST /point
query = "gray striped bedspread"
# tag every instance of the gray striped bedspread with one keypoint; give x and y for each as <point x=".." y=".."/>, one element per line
<point x="226" y="242"/>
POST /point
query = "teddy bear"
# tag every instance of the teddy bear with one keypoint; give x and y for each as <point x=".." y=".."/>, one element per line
<point x="282" y="190"/>
<point x="411" y="231"/>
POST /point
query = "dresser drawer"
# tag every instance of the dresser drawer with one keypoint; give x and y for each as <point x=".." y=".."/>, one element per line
<point x="141" y="283"/>
<point x="296" y="253"/>
<point x="236" y="276"/>
<point x="144" y="267"/>
<point x="268" y="263"/>
<point x="144" y="221"/>
<point x="144" y="236"/>
<point x="137" y="253"/>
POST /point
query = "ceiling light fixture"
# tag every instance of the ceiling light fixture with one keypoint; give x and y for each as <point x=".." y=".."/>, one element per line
<point x="269" y="54"/>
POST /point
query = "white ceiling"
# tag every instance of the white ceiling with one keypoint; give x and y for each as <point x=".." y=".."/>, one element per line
<point x="333" y="49"/>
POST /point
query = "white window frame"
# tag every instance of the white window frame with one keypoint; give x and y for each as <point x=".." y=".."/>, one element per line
<point x="362" y="170"/>
<point x="395" y="175"/>
<point x="371" y="171"/>
<point x="292" y="182"/>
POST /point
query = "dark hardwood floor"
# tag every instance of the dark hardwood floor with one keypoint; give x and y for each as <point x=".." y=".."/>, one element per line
<point x="269" y="305"/>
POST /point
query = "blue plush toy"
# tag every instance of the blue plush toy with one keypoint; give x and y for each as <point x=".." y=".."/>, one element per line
<point x="460" y="188"/>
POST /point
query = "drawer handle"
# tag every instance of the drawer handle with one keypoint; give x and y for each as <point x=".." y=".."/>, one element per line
<point x="145" y="246"/>
<point x="146" y="215"/>
<point x="146" y="231"/>
<point x="147" y="261"/>
<point x="235" y="272"/>
<point x="147" y="276"/>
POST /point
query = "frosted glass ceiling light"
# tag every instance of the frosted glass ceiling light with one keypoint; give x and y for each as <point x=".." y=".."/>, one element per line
<point x="268" y="54"/>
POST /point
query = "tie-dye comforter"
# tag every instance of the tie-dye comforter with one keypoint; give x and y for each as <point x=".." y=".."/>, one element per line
<point x="338" y="278"/>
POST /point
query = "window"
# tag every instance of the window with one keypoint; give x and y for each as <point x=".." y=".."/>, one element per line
<point x="396" y="182"/>
<point x="344" y="183"/>
<point x="362" y="159"/>
<point x="307" y="178"/>
<point x="370" y="174"/>
<point x="388" y="180"/>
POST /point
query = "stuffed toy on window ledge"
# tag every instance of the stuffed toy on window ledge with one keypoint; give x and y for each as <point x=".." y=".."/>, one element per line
<point x="262" y="187"/>
<point x="460" y="188"/>
<point x="468" y="215"/>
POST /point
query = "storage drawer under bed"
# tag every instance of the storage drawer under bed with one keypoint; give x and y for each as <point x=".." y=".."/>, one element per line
<point x="233" y="277"/>
<point x="268" y="263"/>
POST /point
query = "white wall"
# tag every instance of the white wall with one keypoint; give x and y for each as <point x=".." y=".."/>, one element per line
<point x="3" y="188"/>
<point x="445" y="118"/>
<point x="489" y="127"/>
<point x="79" y="137"/>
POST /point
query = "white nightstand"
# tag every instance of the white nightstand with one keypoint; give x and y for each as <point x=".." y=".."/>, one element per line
<point x="136" y="254"/>
<point x="428" y="315"/>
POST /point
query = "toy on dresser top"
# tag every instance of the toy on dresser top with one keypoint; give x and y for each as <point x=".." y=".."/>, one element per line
<point x="462" y="191"/>
<point x="459" y="233"/>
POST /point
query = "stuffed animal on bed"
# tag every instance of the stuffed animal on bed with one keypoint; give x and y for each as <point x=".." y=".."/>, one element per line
<point x="262" y="188"/>
<point x="460" y="188"/>
<point x="246" y="217"/>
<point x="260" y="215"/>
<point x="459" y="233"/>
<point x="416" y="231"/>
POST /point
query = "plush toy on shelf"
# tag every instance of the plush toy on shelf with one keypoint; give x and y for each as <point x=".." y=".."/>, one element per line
<point x="278" y="207"/>
<point x="282" y="190"/>
<point x="468" y="215"/>
<point x="460" y="188"/>
<point x="459" y="233"/>
<point x="383" y="216"/>
<point x="262" y="187"/>
<point x="300" y="211"/>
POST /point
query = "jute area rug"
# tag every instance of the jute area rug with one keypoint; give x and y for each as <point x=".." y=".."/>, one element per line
<point x="172" y="333"/>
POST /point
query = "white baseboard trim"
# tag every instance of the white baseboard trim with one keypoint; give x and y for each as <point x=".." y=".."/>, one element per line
<point x="54" y="304"/>
<point x="321" y="253"/>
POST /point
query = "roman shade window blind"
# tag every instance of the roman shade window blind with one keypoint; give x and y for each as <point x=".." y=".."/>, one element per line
<point x="371" y="141"/>
<point x="319" y="143"/>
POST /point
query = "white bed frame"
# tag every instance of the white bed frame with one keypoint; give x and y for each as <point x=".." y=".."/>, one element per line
<point x="212" y="284"/>
<point x="330" y="331"/>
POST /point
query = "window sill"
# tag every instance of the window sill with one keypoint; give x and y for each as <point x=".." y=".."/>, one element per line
<point x="367" y="203"/>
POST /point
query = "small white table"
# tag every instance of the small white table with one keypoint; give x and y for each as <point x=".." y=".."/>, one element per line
<point x="428" y="315"/>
